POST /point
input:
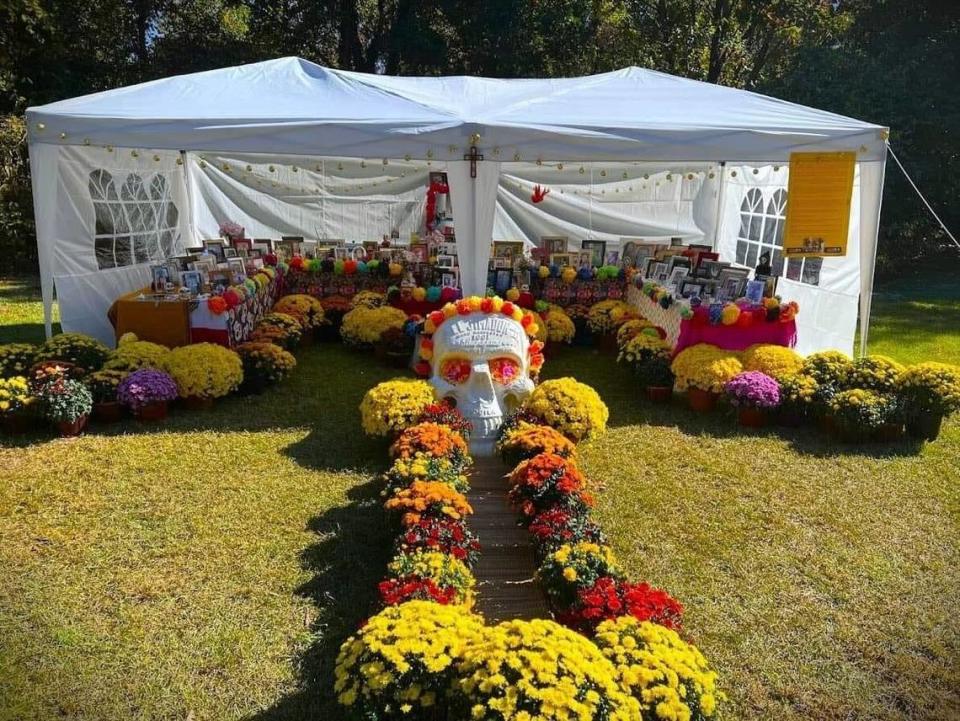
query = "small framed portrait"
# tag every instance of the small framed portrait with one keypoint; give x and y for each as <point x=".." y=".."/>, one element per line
<point x="501" y="263"/>
<point x="584" y="259"/>
<point x="204" y="265"/>
<point x="449" y="279"/>
<point x="598" y="251"/>
<point x="710" y="269"/>
<point x="160" y="276"/>
<point x="183" y="261"/>
<point x="678" y="261"/>
<point x="690" y="288"/>
<point x="755" y="290"/>
<point x="192" y="280"/>
<point x="677" y="276"/>
<point x="446" y="261"/>
<point x="659" y="273"/>
<point x="287" y="248"/>
<point x="238" y="268"/>
<point x="554" y="243"/>
<point x="220" y="280"/>
<point x="446" y="249"/>
<point x="504" y="281"/>
<point x="254" y="253"/>
<point x="612" y="257"/>
<point x="420" y="251"/>
<point x="561" y="259"/>
<point x="230" y="253"/>
<point x="309" y="248"/>
<point x="264" y="245"/>
<point x="507" y="249"/>
<point x="243" y="246"/>
<point x="216" y="248"/>
<point x="341" y="253"/>
<point x="730" y="288"/>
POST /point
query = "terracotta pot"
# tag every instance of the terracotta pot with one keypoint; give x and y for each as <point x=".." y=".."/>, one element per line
<point x="659" y="394"/>
<point x="109" y="412"/>
<point x="197" y="403"/>
<point x="925" y="427"/>
<point x="16" y="424"/>
<point x="151" y="412"/>
<point x="72" y="428"/>
<point x="751" y="417"/>
<point x="606" y="342"/>
<point x="890" y="432"/>
<point x="702" y="401"/>
<point x="828" y="424"/>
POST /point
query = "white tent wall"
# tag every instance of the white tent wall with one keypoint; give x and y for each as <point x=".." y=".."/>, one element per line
<point x="336" y="198"/>
<point x="103" y="216"/>
<point x="828" y="301"/>
<point x="608" y="201"/>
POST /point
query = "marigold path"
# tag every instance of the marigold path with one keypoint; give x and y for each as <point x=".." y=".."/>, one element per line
<point x="505" y="584"/>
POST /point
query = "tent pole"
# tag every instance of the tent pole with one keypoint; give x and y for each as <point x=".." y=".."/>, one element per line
<point x="871" y="198"/>
<point x="721" y="193"/>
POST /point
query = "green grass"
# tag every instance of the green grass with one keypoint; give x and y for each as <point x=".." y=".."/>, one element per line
<point x="208" y="568"/>
<point x="21" y="312"/>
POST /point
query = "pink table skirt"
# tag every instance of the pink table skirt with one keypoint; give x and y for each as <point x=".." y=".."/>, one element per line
<point x="737" y="338"/>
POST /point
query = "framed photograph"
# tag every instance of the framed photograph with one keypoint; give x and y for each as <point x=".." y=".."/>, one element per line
<point x="238" y="267"/>
<point x="711" y="269"/>
<point x="598" y="250"/>
<point x="160" y="276"/>
<point x="449" y="280"/>
<point x="341" y="253"/>
<point x="446" y="261"/>
<point x="254" y="253"/>
<point x="678" y="261"/>
<point x="755" y="290"/>
<point x="230" y="253"/>
<point x="659" y="272"/>
<point x="216" y="248"/>
<point x="677" y="276"/>
<point x="309" y="248"/>
<point x="612" y="257"/>
<point x="220" y="280"/>
<point x="264" y="245"/>
<point x="554" y="243"/>
<point x="203" y="265"/>
<point x="508" y="249"/>
<point x="446" y="249"/>
<point x="504" y="280"/>
<point x="287" y="248"/>
<point x="690" y="288"/>
<point x="740" y="275"/>
<point x="243" y="246"/>
<point x="192" y="280"/>
<point x="421" y="252"/>
<point x="583" y="258"/>
<point x="562" y="259"/>
<point x="183" y="261"/>
<point x="730" y="288"/>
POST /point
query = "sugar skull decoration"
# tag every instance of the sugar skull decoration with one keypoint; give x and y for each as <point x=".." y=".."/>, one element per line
<point x="481" y="356"/>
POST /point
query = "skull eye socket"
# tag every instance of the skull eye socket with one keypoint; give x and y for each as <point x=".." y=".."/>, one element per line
<point x="504" y="370"/>
<point x="455" y="371"/>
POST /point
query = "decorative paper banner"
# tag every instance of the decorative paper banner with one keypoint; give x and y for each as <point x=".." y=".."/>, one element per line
<point x="818" y="204"/>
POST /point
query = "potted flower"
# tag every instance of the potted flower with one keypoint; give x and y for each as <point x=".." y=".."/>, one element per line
<point x="67" y="403"/>
<point x="16" y="359"/>
<point x="14" y="398"/>
<point x="363" y="326"/>
<point x="103" y="387"/>
<point x="204" y="372"/>
<point x="753" y="394"/>
<point x="702" y="371"/>
<point x="928" y="392"/>
<point x="797" y="394"/>
<point x="604" y="318"/>
<point x="657" y="378"/>
<point x="291" y="327"/>
<point x="306" y="309"/>
<point x="80" y="350"/>
<point x="560" y="330"/>
<point x="859" y="414"/>
<point x="263" y="365"/>
<point x="146" y="393"/>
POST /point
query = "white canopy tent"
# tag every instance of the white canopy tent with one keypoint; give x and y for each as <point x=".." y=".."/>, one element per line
<point x="123" y="176"/>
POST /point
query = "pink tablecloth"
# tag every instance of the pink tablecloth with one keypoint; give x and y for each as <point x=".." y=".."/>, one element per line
<point x="737" y="338"/>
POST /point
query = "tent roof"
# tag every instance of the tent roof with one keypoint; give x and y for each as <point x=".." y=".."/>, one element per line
<point x="292" y="106"/>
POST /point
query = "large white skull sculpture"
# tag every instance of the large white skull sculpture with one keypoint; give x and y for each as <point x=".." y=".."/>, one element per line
<point x="481" y="344"/>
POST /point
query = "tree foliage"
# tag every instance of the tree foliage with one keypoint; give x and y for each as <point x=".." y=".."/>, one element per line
<point x="858" y="57"/>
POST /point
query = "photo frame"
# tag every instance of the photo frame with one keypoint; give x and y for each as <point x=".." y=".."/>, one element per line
<point x="421" y="252"/>
<point x="220" y="279"/>
<point x="243" y="246"/>
<point x="309" y="248"/>
<point x="238" y="267"/>
<point x="504" y="281"/>
<point x="192" y="280"/>
<point x="598" y="251"/>
<point x="563" y="259"/>
<point x="446" y="249"/>
<point x="159" y="277"/>
<point x="583" y="258"/>
<point x="754" y="292"/>
<point x="711" y="269"/>
<point x="511" y="249"/>
<point x="446" y="261"/>
<point x="203" y="265"/>
<point x="612" y="257"/>
<point x="677" y="276"/>
<point x="690" y="287"/>
<point x="659" y="272"/>
<point x="264" y="245"/>
<point x="678" y="261"/>
<point x="554" y="243"/>
<point x="216" y="248"/>
<point x="449" y="279"/>
<point x="230" y="253"/>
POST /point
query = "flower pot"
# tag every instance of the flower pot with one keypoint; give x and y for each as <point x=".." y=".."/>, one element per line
<point x="155" y="411"/>
<point x="254" y="387"/>
<point x="751" y="417"/>
<point x="16" y="424"/>
<point x="702" y="401"/>
<point x="72" y="428"/>
<point x="197" y="403"/>
<point x="890" y="432"/>
<point x="925" y="427"/>
<point x="849" y="434"/>
<point x="659" y="394"/>
<point x="606" y="342"/>
<point x="308" y="337"/>
<point x="380" y="351"/>
<point x="108" y="412"/>
<point x="828" y="424"/>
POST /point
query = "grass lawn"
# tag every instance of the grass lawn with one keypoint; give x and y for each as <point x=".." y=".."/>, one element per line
<point x="209" y="567"/>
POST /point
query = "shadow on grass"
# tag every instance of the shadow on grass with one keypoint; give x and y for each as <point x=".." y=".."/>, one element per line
<point x="347" y="559"/>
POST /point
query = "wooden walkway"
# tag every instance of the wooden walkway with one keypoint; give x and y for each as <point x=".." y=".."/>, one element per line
<point x="505" y="585"/>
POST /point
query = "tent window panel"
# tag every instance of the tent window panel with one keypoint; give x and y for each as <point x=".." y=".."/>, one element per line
<point x="138" y="223"/>
<point x="762" y="221"/>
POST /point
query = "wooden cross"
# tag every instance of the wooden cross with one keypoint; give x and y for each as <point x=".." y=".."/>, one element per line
<point x="473" y="156"/>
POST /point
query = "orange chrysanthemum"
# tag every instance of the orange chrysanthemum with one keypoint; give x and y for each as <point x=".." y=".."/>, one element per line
<point x="430" y="438"/>
<point x="428" y="498"/>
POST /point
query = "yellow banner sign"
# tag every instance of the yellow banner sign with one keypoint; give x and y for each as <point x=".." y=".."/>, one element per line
<point x="818" y="204"/>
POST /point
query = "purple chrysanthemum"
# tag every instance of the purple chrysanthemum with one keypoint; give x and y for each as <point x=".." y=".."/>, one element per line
<point x="146" y="386"/>
<point x="753" y="389"/>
